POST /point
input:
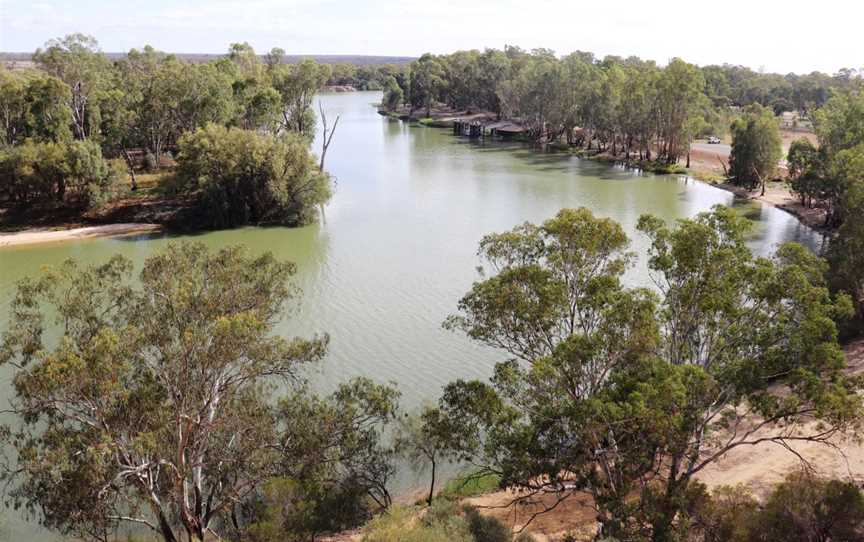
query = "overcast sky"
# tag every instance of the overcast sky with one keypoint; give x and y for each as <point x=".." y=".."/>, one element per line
<point x="779" y="36"/>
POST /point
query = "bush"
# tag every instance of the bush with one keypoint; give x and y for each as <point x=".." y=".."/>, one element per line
<point x="151" y="164"/>
<point x="807" y="508"/>
<point x="245" y="177"/>
<point x="70" y="173"/>
<point x="485" y="528"/>
<point x="402" y="524"/>
<point x="803" y="508"/>
<point x="756" y="148"/>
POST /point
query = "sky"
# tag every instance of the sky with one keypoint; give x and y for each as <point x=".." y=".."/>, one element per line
<point x="770" y="35"/>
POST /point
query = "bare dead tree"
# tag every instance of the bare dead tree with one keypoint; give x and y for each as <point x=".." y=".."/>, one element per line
<point x="328" y="134"/>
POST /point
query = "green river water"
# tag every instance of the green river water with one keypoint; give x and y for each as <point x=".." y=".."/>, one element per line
<point x="397" y="246"/>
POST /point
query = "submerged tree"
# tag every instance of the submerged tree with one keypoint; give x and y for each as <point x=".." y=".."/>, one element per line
<point x="621" y="393"/>
<point x="153" y="407"/>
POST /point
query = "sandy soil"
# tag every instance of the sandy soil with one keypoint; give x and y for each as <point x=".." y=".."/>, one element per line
<point x="36" y="236"/>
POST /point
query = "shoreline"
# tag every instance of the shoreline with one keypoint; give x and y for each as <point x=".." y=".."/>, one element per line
<point x="776" y="194"/>
<point x="37" y="236"/>
<point x="778" y="198"/>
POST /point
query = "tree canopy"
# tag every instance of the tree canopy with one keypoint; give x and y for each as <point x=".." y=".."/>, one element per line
<point x="619" y="391"/>
<point x="154" y="405"/>
<point x="244" y="177"/>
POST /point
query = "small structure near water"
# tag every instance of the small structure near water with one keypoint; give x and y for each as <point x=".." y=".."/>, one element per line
<point x="480" y="129"/>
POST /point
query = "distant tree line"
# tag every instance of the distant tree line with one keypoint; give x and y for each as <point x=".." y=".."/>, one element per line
<point x="622" y="105"/>
<point x="78" y="104"/>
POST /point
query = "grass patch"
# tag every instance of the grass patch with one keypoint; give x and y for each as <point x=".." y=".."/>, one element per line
<point x="711" y="177"/>
<point x="470" y="485"/>
<point x="410" y="524"/>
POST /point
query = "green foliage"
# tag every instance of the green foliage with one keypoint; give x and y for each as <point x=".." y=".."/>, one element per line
<point x="151" y="390"/>
<point x="809" y="509"/>
<point x="486" y="528"/>
<point x="297" y="86"/>
<point x="244" y="177"/>
<point x="402" y="524"/>
<point x="846" y="251"/>
<point x="339" y="468"/>
<point x="471" y="485"/>
<point x="803" y="508"/>
<point x="424" y="440"/>
<point x="393" y="95"/>
<point x="622" y="392"/>
<point x="33" y="106"/>
<point x="77" y="61"/>
<point x="426" y="83"/>
<point x="756" y="148"/>
<point x="70" y="173"/>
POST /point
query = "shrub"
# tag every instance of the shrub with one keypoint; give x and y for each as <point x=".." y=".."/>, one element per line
<point x="151" y="164"/>
<point x="403" y="524"/>
<point x="72" y="174"/>
<point x="803" y="508"/>
<point x="243" y="177"/>
<point x="807" y="508"/>
<point x="485" y="528"/>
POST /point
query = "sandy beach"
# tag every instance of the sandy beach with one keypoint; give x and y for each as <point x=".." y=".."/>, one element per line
<point x="37" y="236"/>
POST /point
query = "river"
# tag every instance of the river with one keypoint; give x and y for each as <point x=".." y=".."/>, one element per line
<point x="397" y="245"/>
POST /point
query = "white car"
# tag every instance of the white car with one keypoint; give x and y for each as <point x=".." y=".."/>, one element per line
<point x="713" y="140"/>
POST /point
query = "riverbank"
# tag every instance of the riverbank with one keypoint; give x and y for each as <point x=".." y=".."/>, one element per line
<point x="38" y="236"/>
<point x="777" y="195"/>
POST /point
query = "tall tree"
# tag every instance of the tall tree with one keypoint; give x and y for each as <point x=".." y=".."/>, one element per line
<point x="153" y="408"/>
<point x="77" y="60"/>
<point x="297" y="85"/>
<point x="756" y="148"/>
<point x="427" y="82"/>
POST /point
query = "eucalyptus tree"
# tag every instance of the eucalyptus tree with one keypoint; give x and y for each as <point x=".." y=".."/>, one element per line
<point x="154" y="405"/>
<point x="426" y="82"/>
<point x="77" y="61"/>
<point x="756" y="148"/>
<point x="33" y="106"/>
<point x="393" y="94"/>
<point x="680" y="98"/>
<point x="628" y="393"/>
<point x="297" y="85"/>
<point x="846" y="251"/>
